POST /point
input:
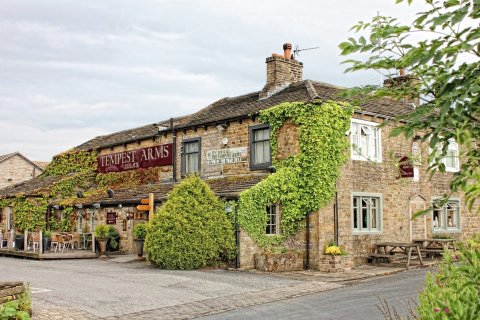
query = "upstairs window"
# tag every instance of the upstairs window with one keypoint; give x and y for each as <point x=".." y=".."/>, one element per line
<point x="260" y="157"/>
<point x="451" y="158"/>
<point x="447" y="217"/>
<point x="273" y="219"/>
<point x="365" y="141"/>
<point x="190" y="156"/>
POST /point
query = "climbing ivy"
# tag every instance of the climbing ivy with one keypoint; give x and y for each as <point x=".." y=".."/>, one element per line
<point x="304" y="182"/>
<point x="72" y="161"/>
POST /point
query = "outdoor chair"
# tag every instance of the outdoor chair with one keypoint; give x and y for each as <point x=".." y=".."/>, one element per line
<point x="75" y="240"/>
<point x="33" y="241"/>
<point x="54" y="242"/>
<point x="3" y="241"/>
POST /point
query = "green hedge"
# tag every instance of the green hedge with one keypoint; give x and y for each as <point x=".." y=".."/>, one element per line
<point x="191" y="229"/>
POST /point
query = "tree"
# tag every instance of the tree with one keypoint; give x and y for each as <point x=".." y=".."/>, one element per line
<point x="441" y="51"/>
<point x="191" y="229"/>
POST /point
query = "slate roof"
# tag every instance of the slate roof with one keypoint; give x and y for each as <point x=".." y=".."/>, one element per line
<point x="30" y="187"/>
<point x="9" y="155"/>
<point x="243" y="106"/>
<point x="227" y="187"/>
<point x="6" y="156"/>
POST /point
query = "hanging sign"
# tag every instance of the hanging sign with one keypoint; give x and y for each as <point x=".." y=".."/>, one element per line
<point x="226" y="156"/>
<point x="406" y="168"/>
<point x="111" y="217"/>
<point x="154" y="156"/>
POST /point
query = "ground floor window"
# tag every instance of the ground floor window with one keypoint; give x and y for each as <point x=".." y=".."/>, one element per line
<point x="446" y="217"/>
<point x="273" y="219"/>
<point x="366" y="212"/>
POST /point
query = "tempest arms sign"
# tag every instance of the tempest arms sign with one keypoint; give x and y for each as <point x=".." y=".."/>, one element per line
<point x="160" y="155"/>
<point x="225" y="156"/>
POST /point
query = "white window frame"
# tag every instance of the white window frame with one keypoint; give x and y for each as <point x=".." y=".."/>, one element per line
<point x="375" y="134"/>
<point x="369" y="230"/>
<point x="452" y="146"/>
<point x="276" y="223"/>
<point x="445" y="228"/>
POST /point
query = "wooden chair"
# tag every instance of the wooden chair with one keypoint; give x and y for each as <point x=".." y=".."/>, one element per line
<point x="33" y="241"/>
<point x="75" y="240"/>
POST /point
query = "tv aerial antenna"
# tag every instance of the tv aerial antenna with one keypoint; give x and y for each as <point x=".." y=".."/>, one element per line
<point x="297" y="50"/>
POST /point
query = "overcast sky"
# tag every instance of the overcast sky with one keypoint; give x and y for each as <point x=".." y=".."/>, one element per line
<point x="73" y="70"/>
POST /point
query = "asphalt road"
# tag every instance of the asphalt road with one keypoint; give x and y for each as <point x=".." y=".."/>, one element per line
<point x="106" y="289"/>
<point x="358" y="301"/>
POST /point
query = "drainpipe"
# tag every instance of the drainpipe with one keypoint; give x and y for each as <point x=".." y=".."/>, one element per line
<point x="237" y="238"/>
<point x="335" y="219"/>
<point x="307" y="242"/>
<point x="174" y="155"/>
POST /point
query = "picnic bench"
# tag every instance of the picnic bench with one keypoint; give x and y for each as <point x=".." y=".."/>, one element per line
<point x="435" y="246"/>
<point x="394" y="250"/>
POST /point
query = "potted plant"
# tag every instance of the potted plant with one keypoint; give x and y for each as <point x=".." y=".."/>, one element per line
<point x="19" y="240"/>
<point x="47" y="240"/>
<point x="113" y="239"/>
<point x="140" y="232"/>
<point x="101" y="234"/>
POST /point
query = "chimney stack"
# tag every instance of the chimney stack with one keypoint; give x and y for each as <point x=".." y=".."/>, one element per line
<point x="282" y="70"/>
<point x="404" y="80"/>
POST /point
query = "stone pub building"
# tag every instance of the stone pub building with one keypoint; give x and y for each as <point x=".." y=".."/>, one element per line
<point x="227" y="145"/>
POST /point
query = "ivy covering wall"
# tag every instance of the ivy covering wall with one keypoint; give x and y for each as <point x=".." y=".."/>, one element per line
<point x="304" y="182"/>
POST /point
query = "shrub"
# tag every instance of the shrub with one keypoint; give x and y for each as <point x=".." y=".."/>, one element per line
<point x="47" y="234"/>
<point x="101" y="232"/>
<point x="112" y="235"/>
<point x="191" y="229"/>
<point x="453" y="292"/>
<point x="140" y="231"/>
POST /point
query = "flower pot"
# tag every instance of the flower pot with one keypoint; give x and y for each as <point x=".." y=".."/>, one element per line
<point x="19" y="242"/>
<point x="139" y="244"/>
<point x="102" y="245"/>
<point x="46" y="242"/>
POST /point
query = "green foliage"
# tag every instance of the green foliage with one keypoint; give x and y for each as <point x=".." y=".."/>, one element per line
<point x="101" y="232"/>
<point x="305" y="182"/>
<point x="453" y="293"/>
<point x="112" y="235"/>
<point x="29" y="212"/>
<point x="191" y="229"/>
<point x="17" y="309"/>
<point x="441" y="50"/>
<point x="47" y="234"/>
<point x="140" y="231"/>
<point x="72" y="161"/>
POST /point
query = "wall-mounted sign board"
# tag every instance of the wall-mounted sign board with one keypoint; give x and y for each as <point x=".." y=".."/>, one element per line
<point x="160" y="155"/>
<point x="227" y="156"/>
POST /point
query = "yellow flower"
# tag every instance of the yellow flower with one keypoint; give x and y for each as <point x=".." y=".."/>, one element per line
<point x="333" y="250"/>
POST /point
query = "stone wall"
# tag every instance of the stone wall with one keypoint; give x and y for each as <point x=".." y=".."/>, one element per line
<point x="15" y="170"/>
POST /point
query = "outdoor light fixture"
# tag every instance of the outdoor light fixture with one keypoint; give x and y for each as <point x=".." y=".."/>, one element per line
<point x="79" y="194"/>
<point x="110" y="193"/>
<point x="228" y="209"/>
<point x="224" y="141"/>
<point x="56" y="207"/>
<point x="79" y="206"/>
<point x="119" y="206"/>
<point x="221" y="126"/>
<point x="96" y="205"/>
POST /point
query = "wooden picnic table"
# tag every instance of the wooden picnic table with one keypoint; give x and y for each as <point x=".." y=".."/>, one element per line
<point x="435" y="245"/>
<point x="390" y="249"/>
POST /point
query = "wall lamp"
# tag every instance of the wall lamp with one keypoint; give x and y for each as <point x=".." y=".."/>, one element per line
<point x="56" y="207"/>
<point x="110" y="193"/>
<point x="79" y="206"/>
<point x="79" y="194"/>
<point x="96" y="205"/>
<point x="221" y="126"/>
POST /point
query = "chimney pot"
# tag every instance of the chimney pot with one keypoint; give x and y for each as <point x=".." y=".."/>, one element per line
<point x="287" y="50"/>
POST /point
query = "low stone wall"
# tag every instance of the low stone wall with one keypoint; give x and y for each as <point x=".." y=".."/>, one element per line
<point x="328" y="263"/>
<point x="279" y="262"/>
<point x="10" y="291"/>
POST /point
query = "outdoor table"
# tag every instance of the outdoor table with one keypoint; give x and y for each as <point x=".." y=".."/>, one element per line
<point x="435" y="245"/>
<point x="84" y="239"/>
<point x="392" y="248"/>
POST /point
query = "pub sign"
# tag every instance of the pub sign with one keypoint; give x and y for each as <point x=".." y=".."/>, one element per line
<point x="155" y="156"/>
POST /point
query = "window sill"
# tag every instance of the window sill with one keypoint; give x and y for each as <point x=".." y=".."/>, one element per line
<point x="366" y="160"/>
<point x="440" y="231"/>
<point x="366" y="233"/>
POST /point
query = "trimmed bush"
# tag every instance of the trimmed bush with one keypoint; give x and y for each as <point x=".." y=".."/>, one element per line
<point x="140" y="231"/>
<point x="191" y="229"/>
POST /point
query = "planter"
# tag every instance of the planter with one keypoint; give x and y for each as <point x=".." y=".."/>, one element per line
<point x="329" y="263"/>
<point x="19" y="242"/>
<point x="46" y="242"/>
<point x="279" y="262"/>
<point x="139" y="244"/>
<point x="110" y="248"/>
<point x="102" y="245"/>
